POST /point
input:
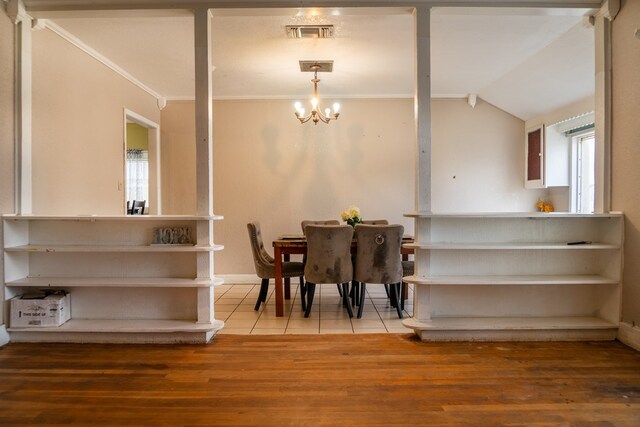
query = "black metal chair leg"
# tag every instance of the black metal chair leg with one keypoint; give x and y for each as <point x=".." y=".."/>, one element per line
<point x="397" y="295"/>
<point x="386" y="289"/>
<point x="355" y="293"/>
<point x="303" y="294"/>
<point x="363" y="288"/>
<point x="352" y="293"/>
<point x="345" y="298"/>
<point x="262" y="295"/>
<point x="311" y="290"/>
<point x="339" y="289"/>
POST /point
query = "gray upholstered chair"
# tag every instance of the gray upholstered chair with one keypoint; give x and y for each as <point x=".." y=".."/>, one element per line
<point x="328" y="260"/>
<point x="375" y="222"/>
<point x="378" y="260"/>
<point x="319" y="222"/>
<point x="265" y="265"/>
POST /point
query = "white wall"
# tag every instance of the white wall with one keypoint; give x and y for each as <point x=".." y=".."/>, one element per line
<point x="268" y="167"/>
<point x="625" y="147"/>
<point x="78" y="129"/>
<point x="478" y="159"/>
<point x="177" y="145"/>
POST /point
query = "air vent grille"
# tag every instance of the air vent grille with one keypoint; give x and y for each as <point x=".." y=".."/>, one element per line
<point x="310" y="31"/>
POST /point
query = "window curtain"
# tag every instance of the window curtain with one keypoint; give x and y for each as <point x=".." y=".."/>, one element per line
<point x="138" y="175"/>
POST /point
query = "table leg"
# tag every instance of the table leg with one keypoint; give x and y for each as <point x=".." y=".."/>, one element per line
<point x="287" y="281"/>
<point x="278" y="281"/>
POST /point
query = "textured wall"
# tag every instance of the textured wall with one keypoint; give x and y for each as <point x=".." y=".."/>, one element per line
<point x="268" y="167"/>
<point x="78" y="131"/>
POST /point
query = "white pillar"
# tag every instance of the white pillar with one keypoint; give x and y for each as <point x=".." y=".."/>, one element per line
<point x="23" y="176"/>
<point x="602" y="34"/>
<point x="204" y="112"/>
<point x="422" y="100"/>
<point x="204" y="164"/>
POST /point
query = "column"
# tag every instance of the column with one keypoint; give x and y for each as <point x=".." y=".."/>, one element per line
<point x="422" y="99"/>
<point x="204" y="149"/>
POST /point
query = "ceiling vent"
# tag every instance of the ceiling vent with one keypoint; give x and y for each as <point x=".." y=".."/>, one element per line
<point x="310" y="31"/>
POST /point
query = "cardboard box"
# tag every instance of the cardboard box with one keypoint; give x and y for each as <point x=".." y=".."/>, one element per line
<point x="50" y="310"/>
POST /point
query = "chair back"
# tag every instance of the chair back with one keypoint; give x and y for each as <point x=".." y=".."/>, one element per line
<point x="328" y="254"/>
<point x="375" y="222"/>
<point x="325" y="222"/>
<point x="263" y="262"/>
<point x="378" y="258"/>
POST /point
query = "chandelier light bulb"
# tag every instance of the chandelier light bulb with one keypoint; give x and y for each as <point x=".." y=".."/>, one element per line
<point x="314" y="102"/>
<point x="301" y="111"/>
<point x="336" y="107"/>
<point x="297" y="105"/>
<point x="327" y="111"/>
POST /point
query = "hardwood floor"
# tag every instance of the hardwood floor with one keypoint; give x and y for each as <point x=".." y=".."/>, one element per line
<point x="332" y="380"/>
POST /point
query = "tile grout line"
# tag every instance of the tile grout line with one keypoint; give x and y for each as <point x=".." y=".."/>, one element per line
<point x="317" y="300"/>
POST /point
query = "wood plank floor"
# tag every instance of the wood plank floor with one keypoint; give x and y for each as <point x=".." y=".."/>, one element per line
<point x="332" y="380"/>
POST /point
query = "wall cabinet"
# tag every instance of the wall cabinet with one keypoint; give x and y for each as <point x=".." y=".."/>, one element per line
<point x="547" y="158"/>
<point x="515" y="276"/>
<point x="122" y="287"/>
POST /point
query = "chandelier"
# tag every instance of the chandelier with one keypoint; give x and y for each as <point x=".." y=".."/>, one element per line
<point x="316" y="114"/>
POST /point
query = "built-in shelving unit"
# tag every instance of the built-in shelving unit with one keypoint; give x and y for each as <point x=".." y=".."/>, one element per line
<point x="516" y="276"/>
<point x="122" y="288"/>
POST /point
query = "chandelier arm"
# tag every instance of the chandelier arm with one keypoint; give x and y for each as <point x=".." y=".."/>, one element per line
<point x="316" y="114"/>
<point x="304" y="119"/>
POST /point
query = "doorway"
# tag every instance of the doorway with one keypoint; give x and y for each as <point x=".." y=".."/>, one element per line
<point x="141" y="163"/>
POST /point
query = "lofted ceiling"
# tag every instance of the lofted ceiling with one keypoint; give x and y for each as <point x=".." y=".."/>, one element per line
<point x="525" y="61"/>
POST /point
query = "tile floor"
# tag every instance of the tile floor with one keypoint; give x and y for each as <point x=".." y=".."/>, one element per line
<point x="234" y="304"/>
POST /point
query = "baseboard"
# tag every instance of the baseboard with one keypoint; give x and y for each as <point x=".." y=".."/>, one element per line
<point x="240" y="279"/>
<point x="629" y="335"/>
<point x="4" y="336"/>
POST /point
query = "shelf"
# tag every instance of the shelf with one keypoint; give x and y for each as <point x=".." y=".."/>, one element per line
<point x="510" y="246"/>
<point x="113" y="248"/>
<point x="513" y="329"/>
<point x="114" y="282"/>
<point x="511" y="280"/>
<point x="114" y="272"/>
<point x="14" y="217"/>
<point x="127" y="326"/>
<point x="509" y="323"/>
<point x="491" y="215"/>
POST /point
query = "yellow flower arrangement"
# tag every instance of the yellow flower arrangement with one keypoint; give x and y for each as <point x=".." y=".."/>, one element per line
<point x="543" y="206"/>
<point x="352" y="216"/>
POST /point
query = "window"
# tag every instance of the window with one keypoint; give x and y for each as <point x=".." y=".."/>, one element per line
<point x="584" y="171"/>
<point x="137" y="174"/>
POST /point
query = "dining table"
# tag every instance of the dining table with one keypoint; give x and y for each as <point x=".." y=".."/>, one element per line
<point x="286" y="245"/>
